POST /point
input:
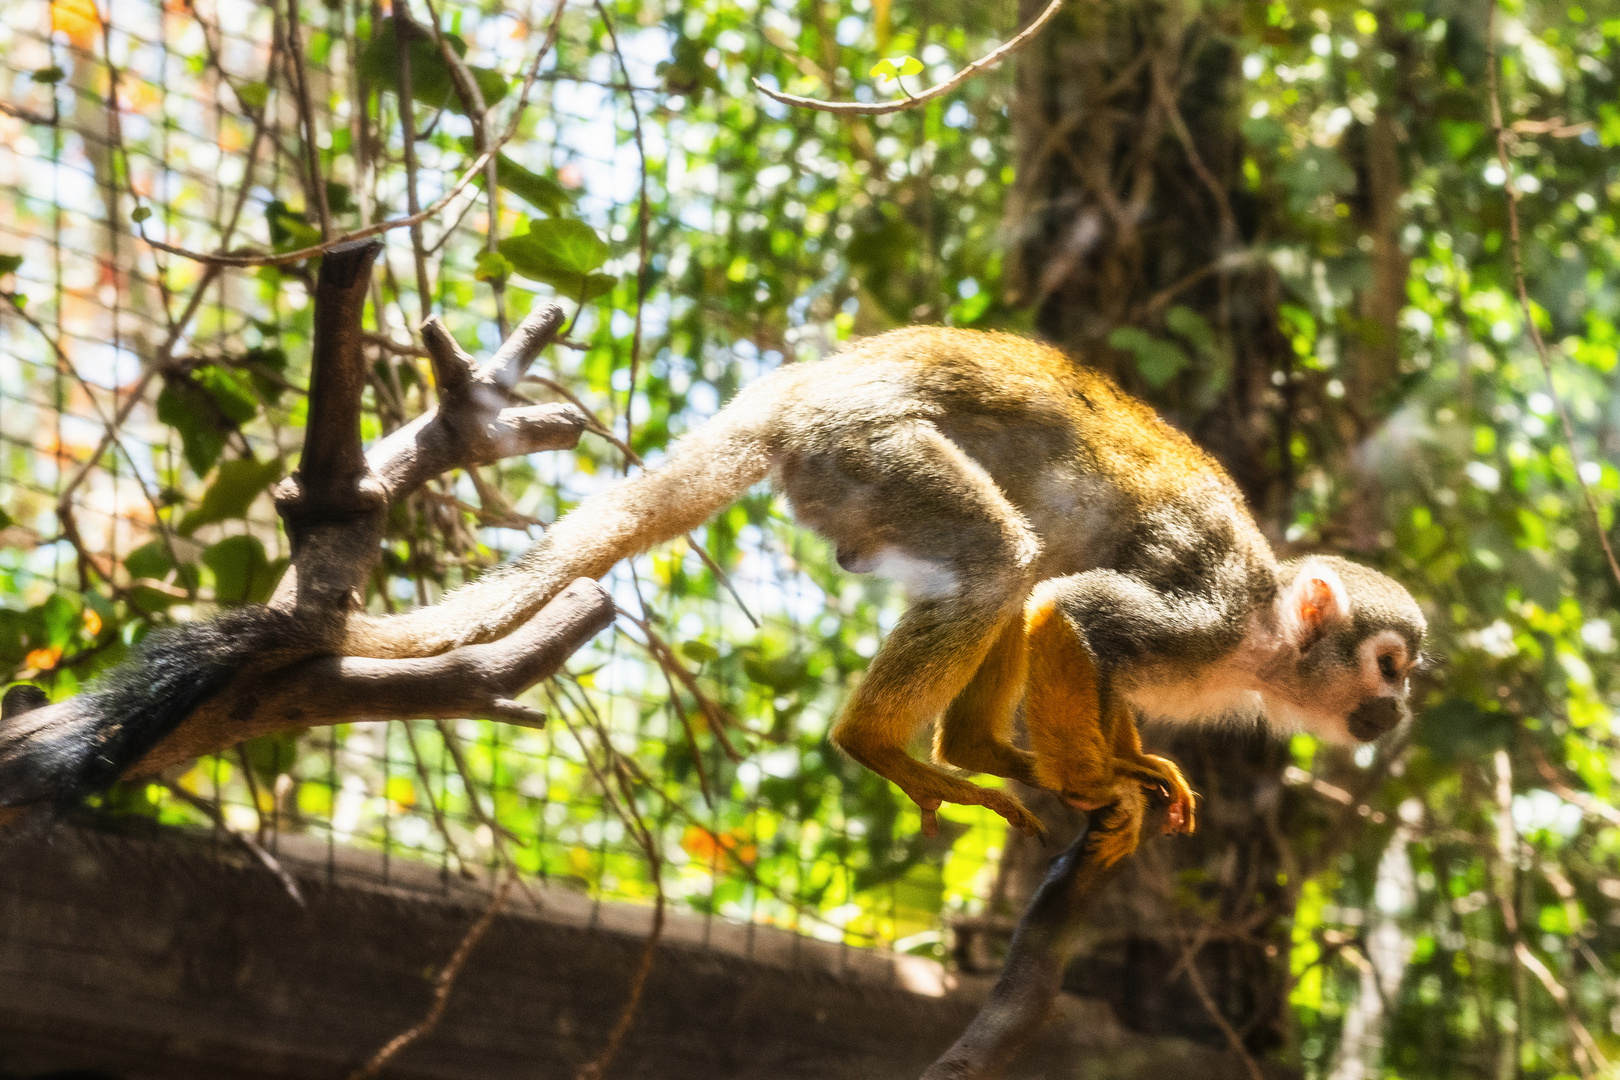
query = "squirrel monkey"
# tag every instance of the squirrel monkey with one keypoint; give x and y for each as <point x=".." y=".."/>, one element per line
<point x="1062" y="546"/>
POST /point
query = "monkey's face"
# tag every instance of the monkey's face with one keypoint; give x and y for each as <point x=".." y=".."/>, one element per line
<point x="1355" y="637"/>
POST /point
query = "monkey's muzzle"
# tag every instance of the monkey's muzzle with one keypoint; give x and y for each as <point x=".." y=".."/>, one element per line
<point x="1374" y="717"/>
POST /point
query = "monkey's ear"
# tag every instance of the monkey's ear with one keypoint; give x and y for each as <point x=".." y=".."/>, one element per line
<point x="1312" y="604"/>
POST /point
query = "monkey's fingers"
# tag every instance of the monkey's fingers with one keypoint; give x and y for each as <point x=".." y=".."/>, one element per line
<point x="1162" y="774"/>
<point x="930" y="817"/>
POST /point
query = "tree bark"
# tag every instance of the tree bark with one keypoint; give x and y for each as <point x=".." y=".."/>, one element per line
<point x="1129" y="204"/>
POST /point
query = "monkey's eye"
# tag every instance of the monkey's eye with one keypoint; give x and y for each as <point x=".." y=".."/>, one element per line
<point x="1386" y="667"/>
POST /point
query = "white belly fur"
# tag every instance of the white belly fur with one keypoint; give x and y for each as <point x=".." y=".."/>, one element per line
<point x="923" y="579"/>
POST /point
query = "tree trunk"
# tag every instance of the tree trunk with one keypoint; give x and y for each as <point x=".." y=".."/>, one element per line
<point x="1130" y="212"/>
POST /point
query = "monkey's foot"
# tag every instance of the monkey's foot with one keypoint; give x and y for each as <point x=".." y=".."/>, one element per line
<point x="1117" y="830"/>
<point x="1163" y="774"/>
<point x="1002" y="803"/>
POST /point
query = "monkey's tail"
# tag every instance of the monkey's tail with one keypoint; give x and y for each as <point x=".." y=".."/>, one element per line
<point x="707" y="470"/>
<point x="57" y="760"/>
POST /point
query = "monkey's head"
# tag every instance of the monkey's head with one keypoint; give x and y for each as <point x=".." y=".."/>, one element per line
<point x="1350" y="639"/>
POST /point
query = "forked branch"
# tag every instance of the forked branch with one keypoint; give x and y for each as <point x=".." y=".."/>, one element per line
<point x="279" y="667"/>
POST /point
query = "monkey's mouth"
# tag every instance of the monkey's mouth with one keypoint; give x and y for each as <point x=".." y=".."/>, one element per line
<point x="1373" y="718"/>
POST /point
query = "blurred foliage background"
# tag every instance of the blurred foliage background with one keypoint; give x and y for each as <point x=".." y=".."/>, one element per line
<point x="1285" y="224"/>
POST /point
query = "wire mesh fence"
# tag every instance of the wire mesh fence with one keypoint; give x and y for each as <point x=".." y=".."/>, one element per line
<point x="147" y="400"/>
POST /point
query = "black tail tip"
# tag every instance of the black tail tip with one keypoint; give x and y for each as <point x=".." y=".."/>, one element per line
<point x="22" y="697"/>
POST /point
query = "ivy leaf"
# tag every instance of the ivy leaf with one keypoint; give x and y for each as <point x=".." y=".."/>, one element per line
<point x="242" y="574"/>
<point x="541" y="192"/>
<point x="563" y="253"/>
<point x="431" y="83"/>
<point x="1158" y="361"/>
<point x="235" y="487"/>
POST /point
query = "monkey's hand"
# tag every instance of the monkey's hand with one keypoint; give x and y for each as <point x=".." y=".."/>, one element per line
<point x="1162" y="773"/>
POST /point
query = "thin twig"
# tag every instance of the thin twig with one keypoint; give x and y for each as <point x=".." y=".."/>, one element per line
<point x="861" y="108"/>
<point x="1510" y="189"/>
<point x="306" y="117"/>
<point x="404" y="31"/>
<point x="466" y="178"/>
<point x="439" y="822"/>
<point x="252" y="846"/>
<point x="649" y="949"/>
<point x="643" y="224"/>
<point x="441" y="987"/>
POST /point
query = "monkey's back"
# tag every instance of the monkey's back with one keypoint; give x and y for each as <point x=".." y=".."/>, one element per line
<point x="1097" y="473"/>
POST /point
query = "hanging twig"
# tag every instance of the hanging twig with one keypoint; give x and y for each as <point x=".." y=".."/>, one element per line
<point x="861" y="108"/>
<point x="248" y="843"/>
<point x="643" y="240"/>
<point x="1515" y="248"/>
<point x="306" y="118"/>
<point x="441" y="987"/>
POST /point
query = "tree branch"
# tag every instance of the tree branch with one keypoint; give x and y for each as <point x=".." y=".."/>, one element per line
<point x="861" y="108"/>
<point x="1041" y="948"/>
<point x="255" y="671"/>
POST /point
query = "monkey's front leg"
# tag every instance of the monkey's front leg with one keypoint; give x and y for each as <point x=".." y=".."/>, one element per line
<point x="1085" y="741"/>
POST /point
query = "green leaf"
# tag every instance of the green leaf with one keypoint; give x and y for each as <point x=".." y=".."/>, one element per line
<point x="1158" y="361"/>
<point x="1192" y="326"/>
<point x="687" y="71"/>
<point x="492" y="266"/>
<point x="700" y="652"/>
<point x="561" y="252"/>
<point x="152" y="561"/>
<point x="234" y="488"/>
<point x="242" y="574"/>
<point x="541" y="192"/>
<point x="890" y="69"/>
<point x="140" y="214"/>
<point x="204" y="407"/>
<point x="289" y="231"/>
<point x="262" y="365"/>
<point x="254" y="95"/>
<point x="340" y="198"/>
<point x="9" y="264"/>
<point x="431" y="83"/>
<point x="1461" y="136"/>
<point x="5" y="520"/>
<point x="48" y="75"/>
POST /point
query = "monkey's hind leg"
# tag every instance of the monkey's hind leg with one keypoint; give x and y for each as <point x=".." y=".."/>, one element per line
<point x="925" y="504"/>
<point x="976" y="731"/>
<point x="927" y="659"/>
